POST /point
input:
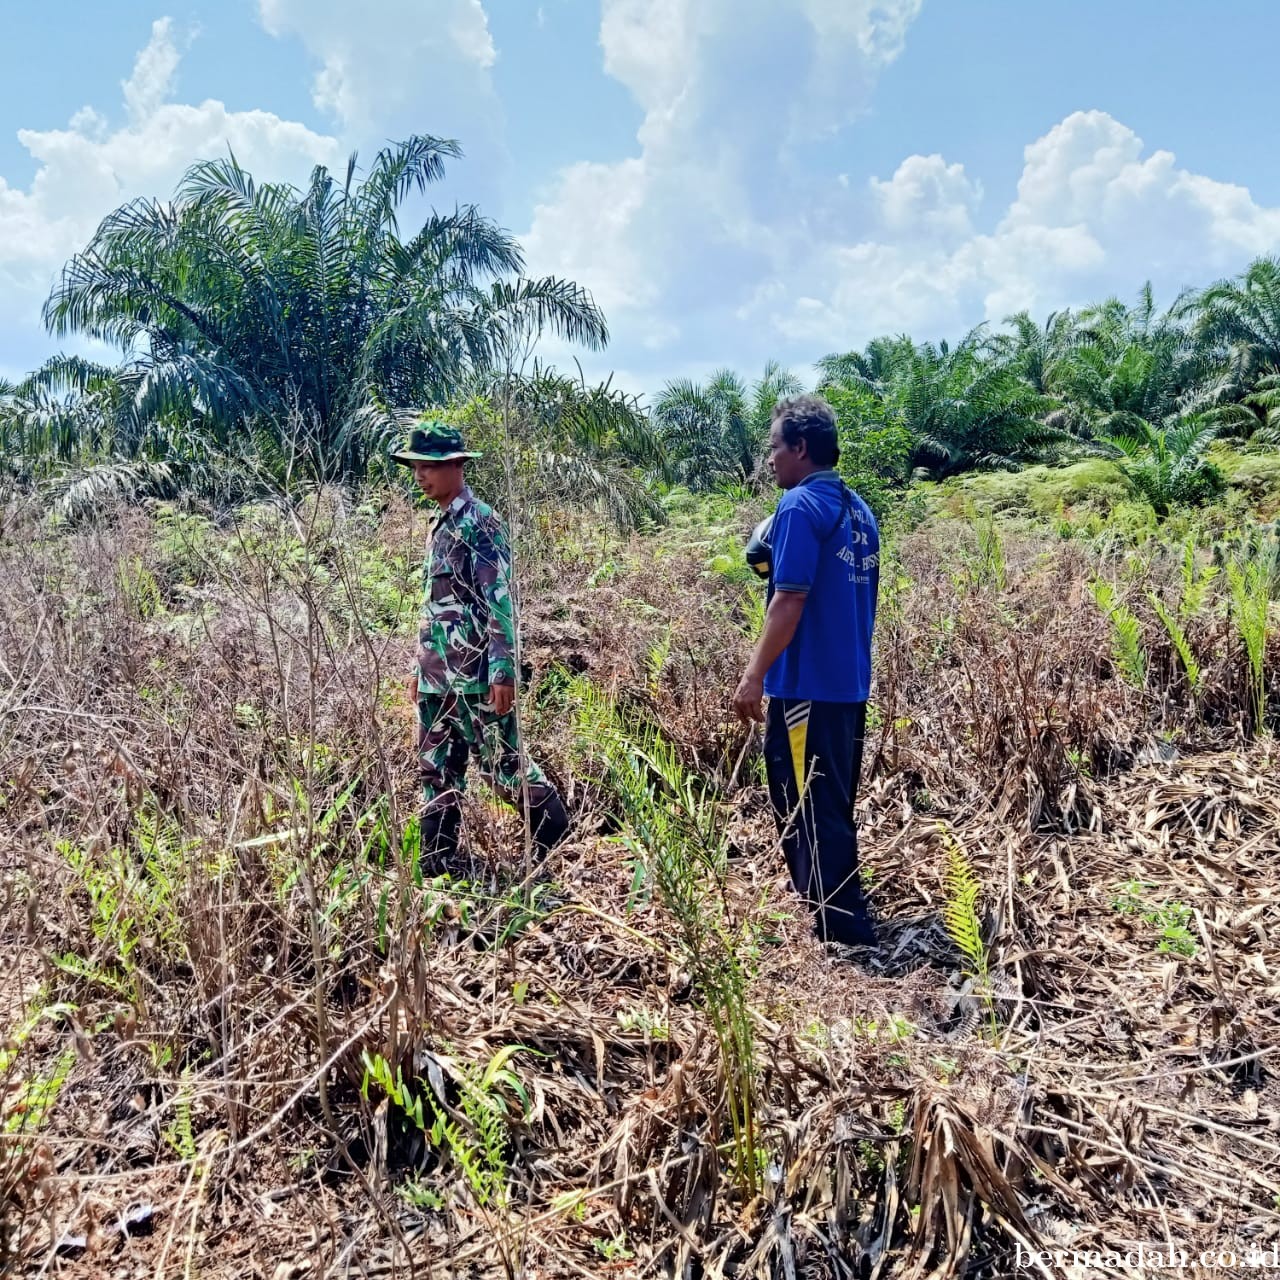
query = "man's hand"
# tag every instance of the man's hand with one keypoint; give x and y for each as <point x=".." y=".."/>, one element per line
<point x="503" y="697"/>
<point x="780" y="622"/>
<point x="747" y="699"/>
<point x="411" y="688"/>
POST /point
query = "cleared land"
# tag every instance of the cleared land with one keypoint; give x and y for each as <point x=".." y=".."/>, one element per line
<point x="244" y="1038"/>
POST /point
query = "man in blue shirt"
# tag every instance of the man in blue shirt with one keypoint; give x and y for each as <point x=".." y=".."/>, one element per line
<point x="813" y="660"/>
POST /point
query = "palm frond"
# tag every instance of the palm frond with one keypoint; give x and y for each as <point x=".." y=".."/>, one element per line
<point x="397" y="172"/>
<point x="79" y="495"/>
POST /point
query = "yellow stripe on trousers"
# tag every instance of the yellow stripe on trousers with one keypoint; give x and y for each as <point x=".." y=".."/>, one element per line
<point x="797" y="734"/>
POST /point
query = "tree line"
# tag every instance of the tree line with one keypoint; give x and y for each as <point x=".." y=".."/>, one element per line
<point x="272" y="336"/>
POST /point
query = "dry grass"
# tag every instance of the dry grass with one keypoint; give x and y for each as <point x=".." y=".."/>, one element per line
<point x="206" y="776"/>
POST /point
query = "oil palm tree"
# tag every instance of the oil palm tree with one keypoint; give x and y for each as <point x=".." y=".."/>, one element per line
<point x="872" y="368"/>
<point x="69" y="410"/>
<point x="1132" y="362"/>
<point x="69" y="429"/>
<point x="1256" y="418"/>
<point x="266" y="319"/>
<point x="964" y="406"/>
<point x="1138" y="381"/>
<point x="566" y="442"/>
<point x="715" y="433"/>
<point x="1167" y="463"/>
<point x="1238" y="320"/>
<point x="1037" y="351"/>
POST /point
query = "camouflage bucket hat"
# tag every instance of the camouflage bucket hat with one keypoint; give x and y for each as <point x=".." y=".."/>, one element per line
<point x="432" y="441"/>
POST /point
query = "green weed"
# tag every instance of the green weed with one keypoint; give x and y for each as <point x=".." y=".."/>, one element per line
<point x="179" y="1133"/>
<point x="1178" y="636"/>
<point x="1127" y="648"/>
<point x="1250" y="578"/>
<point x="417" y="1195"/>
<point x="674" y="828"/>
<point x="614" y="1249"/>
<point x="643" y="1019"/>
<point x="753" y="609"/>
<point x="961" y="920"/>
<point x="1172" y="920"/>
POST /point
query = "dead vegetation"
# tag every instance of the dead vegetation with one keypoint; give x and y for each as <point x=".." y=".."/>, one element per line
<point x="246" y="1038"/>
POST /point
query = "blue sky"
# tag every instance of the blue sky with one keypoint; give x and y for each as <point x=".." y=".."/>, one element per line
<point x="733" y="179"/>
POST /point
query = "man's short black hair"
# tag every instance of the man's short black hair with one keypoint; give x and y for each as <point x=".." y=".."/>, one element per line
<point x="811" y="419"/>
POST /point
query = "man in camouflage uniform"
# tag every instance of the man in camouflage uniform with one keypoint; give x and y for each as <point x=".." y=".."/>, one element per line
<point x="463" y="680"/>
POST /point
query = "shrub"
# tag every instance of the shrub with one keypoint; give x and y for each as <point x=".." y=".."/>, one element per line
<point x="1042" y="490"/>
<point x="875" y="447"/>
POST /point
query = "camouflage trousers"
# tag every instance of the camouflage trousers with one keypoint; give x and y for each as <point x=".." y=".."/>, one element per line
<point x="453" y="727"/>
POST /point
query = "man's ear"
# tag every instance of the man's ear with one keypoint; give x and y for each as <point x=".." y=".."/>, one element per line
<point x="801" y="448"/>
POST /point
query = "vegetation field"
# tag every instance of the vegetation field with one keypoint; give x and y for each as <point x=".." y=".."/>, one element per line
<point x="243" y="1032"/>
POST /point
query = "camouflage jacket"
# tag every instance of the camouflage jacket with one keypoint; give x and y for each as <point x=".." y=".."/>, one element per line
<point x="467" y="636"/>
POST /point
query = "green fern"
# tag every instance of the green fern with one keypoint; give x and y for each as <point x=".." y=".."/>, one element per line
<point x="1126" y="634"/>
<point x="378" y="1070"/>
<point x="960" y="910"/>
<point x="989" y="566"/>
<point x="1250" y="579"/>
<point x="674" y="828"/>
<point x="28" y="1101"/>
<point x="139" y="590"/>
<point x="180" y="1135"/>
<point x="1195" y="581"/>
<point x="963" y="924"/>
<point x="1180" y="642"/>
<point x="659" y="652"/>
<point x="482" y="1158"/>
<point x="991" y="553"/>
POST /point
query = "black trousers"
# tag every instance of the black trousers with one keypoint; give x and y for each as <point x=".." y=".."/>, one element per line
<point x="813" y="756"/>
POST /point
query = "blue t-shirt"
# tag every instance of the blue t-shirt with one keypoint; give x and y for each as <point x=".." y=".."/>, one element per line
<point x="825" y="541"/>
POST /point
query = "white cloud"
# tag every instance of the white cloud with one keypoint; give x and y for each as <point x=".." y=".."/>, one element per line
<point x="650" y="46"/>
<point x="1091" y="217"/>
<point x="766" y="70"/>
<point x="83" y="172"/>
<point x="709" y="206"/>
<point x="927" y="197"/>
<point x="1089" y="171"/>
<point x="153" y="72"/>
<point x="392" y="69"/>
<point x="87" y="169"/>
<point x="595" y="205"/>
<point x="715" y="244"/>
<point x="877" y="29"/>
<point x="393" y="54"/>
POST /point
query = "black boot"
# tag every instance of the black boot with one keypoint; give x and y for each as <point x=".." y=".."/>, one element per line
<point x="438" y="851"/>
<point x="548" y="822"/>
